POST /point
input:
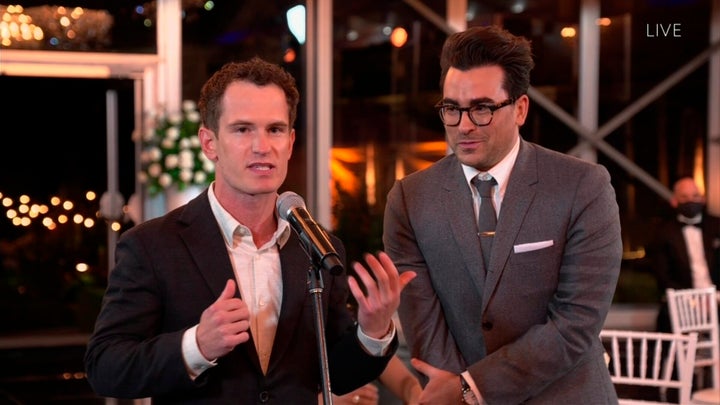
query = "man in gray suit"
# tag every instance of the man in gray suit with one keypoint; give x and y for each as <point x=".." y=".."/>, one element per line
<point x="522" y="327"/>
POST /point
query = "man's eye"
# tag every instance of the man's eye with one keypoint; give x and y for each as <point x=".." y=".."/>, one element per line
<point x="480" y="109"/>
<point x="451" y="109"/>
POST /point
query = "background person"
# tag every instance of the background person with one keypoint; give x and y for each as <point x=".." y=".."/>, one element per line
<point x="209" y="304"/>
<point x="524" y="327"/>
<point x="685" y="250"/>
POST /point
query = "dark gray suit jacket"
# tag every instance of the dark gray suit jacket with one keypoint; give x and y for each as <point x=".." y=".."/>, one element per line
<point x="527" y="329"/>
<point x="168" y="270"/>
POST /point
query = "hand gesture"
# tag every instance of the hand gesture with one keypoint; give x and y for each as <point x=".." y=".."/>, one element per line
<point x="443" y="387"/>
<point x="376" y="309"/>
<point x="224" y="324"/>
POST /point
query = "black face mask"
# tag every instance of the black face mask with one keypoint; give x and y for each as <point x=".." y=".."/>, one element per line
<point x="690" y="209"/>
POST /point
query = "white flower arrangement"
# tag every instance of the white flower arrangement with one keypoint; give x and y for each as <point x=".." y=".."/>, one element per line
<point x="171" y="154"/>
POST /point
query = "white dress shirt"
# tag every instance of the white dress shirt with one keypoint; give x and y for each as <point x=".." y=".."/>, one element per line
<point x="696" y="251"/>
<point x="500" y="172"/>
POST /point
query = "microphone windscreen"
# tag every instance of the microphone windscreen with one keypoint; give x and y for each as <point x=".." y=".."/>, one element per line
<point x="287" y="201"/>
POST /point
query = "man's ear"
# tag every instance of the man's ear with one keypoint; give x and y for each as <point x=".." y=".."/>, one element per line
<point x="208" y="142"/>
<point x="522" y="104"/>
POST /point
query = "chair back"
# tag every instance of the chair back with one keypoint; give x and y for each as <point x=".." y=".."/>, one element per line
<point x="696" y="310"/>
<point x="650" y="359"/>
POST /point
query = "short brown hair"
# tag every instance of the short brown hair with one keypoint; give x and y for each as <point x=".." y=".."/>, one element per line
<point x="255" y="70"/>
<point x="487" y="46"/>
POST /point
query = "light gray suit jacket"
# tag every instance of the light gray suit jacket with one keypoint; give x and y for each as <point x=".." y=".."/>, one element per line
<point x="527" y="329"/>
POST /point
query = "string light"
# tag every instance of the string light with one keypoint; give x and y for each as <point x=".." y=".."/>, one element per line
<point x="24" y="212"/>
<point x="55" y="27"/>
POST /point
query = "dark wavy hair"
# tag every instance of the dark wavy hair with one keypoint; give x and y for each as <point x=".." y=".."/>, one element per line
<point x="490" y="46"/>
<point x="255" y="70"/>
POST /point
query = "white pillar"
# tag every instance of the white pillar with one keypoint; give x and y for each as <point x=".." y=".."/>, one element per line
<point x="589" y="40"/>
<point x="319" y="104"/>
<point x="169" y="48"/>
<point x="457" y="14"/>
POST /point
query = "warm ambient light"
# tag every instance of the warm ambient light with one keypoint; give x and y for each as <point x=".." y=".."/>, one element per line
<point x="604" y="22"/>
<point x="568" y="32"/>
<point x="289" y="56"/>
<point x="398" y="37"/>
<point x="16" y="27"/>
<point x="54" y="70"/>
<point x="56" y="27"/>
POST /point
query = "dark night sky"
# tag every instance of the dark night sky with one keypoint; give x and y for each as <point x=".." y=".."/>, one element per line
<point x="54" y="135"/>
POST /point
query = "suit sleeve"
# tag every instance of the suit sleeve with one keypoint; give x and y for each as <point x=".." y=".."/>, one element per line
<point x="125" y="357"/>
<point x="350" y="365"/>
<point x="420" y="311"/>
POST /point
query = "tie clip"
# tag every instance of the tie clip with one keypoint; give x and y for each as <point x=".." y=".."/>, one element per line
<point x="487" y="233"/>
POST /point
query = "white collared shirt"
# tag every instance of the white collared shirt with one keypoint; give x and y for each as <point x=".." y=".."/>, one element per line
<point x="500" y="172"/>
<point x="259" y="278"/>
<point x="696" y="255"/>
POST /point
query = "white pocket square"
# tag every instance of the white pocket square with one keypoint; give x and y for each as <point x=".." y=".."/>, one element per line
<point x="529" y="247"/>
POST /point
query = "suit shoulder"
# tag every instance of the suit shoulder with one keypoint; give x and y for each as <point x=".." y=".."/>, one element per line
<point x="547" y="154"/>
<point x="436" y="171"/>
<point x="557" y="163"/>
<point x="151" y="228"/>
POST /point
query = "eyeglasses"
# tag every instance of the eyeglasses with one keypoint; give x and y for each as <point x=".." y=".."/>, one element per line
<point x="480" y="114"/>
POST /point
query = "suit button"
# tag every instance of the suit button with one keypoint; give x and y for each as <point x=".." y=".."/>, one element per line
<point x="264" y="396"/>
<point x="487" y="325"/>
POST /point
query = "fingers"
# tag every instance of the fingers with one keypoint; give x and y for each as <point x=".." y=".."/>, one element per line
<point x="224" y="324"/>
<point x="387" y="279"/>
<point x="421" y="366"/>
<point x="228" y="292"/>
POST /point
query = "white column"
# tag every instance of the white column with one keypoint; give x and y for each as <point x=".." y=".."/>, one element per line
<point x="589" y="40"/>
<point x="457" y="14"/>
<point x="169" y="48"/>
<point x="319" y="104"/>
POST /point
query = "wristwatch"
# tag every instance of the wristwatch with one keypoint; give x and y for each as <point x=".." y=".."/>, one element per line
<point x="468" y="396"/>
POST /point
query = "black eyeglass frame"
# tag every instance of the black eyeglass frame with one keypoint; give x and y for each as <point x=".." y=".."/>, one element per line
<point x="440" y="106"/>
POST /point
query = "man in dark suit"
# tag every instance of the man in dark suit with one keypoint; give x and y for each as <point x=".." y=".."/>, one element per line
<point x="517" y="318"/>
<point x="685" y="252"/>
<point x="209" y="304"/>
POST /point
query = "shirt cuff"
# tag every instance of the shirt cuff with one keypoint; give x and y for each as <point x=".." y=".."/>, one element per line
<point x="469" y="380"/>
<point x="376" y="347"/>
<point x="195" y="362"/>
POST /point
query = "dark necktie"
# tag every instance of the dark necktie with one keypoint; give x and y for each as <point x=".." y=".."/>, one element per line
<point x="487" y="218"/>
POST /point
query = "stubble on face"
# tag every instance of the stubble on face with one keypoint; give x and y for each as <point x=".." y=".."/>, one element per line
<point x="255" y="140"/>
<point x="480" y="147"/>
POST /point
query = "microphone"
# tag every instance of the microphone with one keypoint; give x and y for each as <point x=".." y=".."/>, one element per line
<point x="291" y="207"/>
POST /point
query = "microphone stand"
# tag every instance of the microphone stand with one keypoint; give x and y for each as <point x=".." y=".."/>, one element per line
<point x="315" y="287"/>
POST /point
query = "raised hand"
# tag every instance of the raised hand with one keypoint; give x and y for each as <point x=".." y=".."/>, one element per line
<point x="224" y="324"/>
<point x="376" y="308"/>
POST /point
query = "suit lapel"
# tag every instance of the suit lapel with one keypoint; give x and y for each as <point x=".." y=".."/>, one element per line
<point x="206" y="244"/>
<point x="519" y="195"/>
<point x="294" y="274"/>
<point x="462" y="220"/>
